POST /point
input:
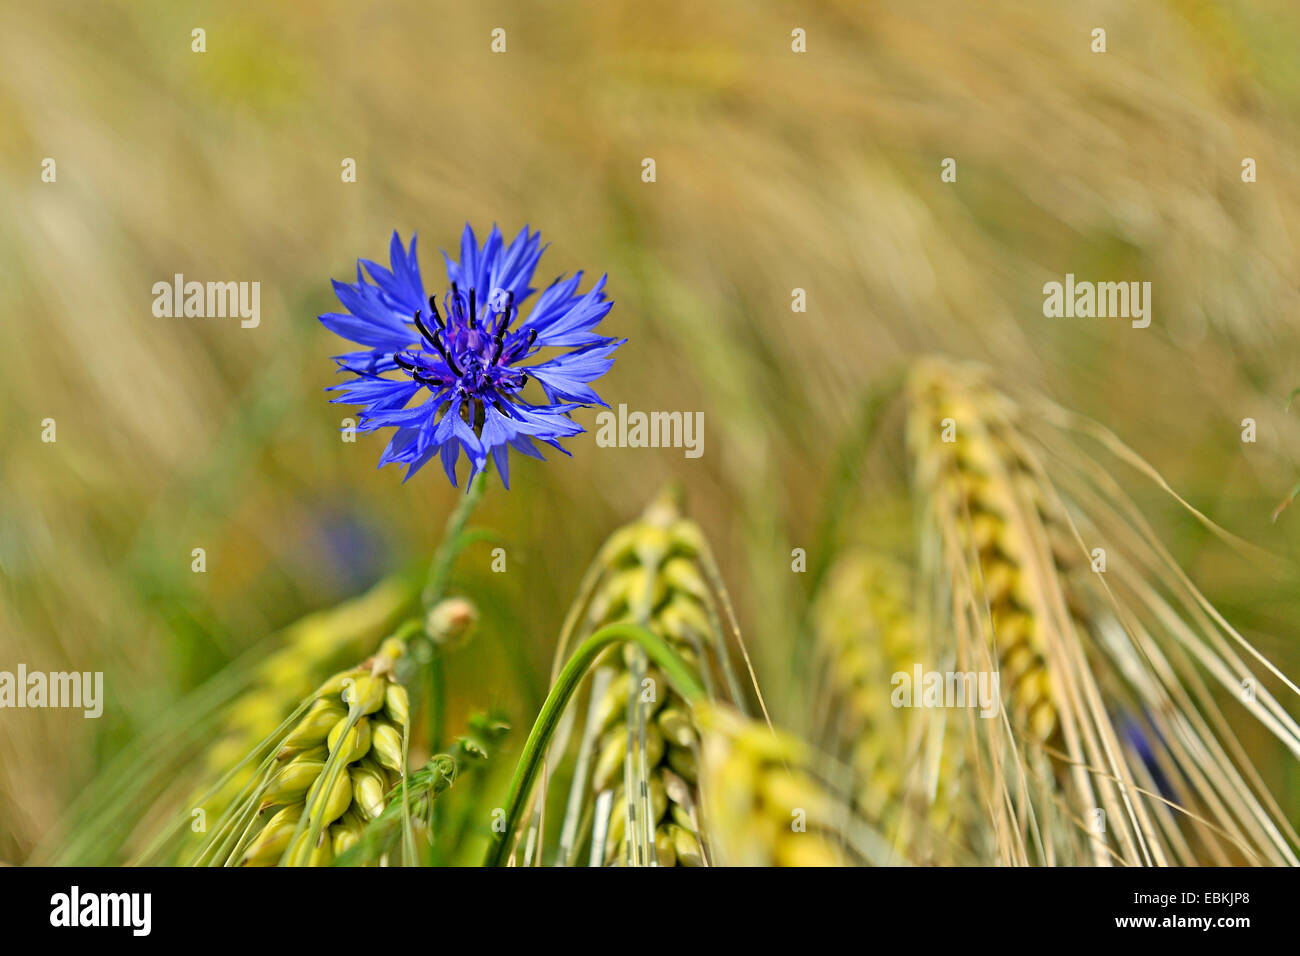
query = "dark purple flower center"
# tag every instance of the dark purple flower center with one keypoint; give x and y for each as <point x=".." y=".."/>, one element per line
<point x="473" y="347"/>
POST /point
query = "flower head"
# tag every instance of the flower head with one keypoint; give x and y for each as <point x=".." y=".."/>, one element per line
<point x="453" y="378"/>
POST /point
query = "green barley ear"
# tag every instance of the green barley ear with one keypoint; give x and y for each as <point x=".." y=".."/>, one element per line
<point x="637" y="734"/>
<point x="1036" y="566"/>
<point x="326" y="771"/>
<point x="763" y="802"/>
<point x="119" y="810"/>
<point x="372" y="842"/>
<point x="907" y="765"/>
<point x="310" y="648"/>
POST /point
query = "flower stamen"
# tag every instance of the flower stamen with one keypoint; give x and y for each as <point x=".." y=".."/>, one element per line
<point x="436" y="342"/>
<point x="416" y="373"/>
<point x="433" y="307"/>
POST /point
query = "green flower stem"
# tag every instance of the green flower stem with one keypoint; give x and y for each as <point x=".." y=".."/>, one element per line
<point x="408" y="629"/>
<point x="530" y="761"/>
<point x="453" y="541"/>
<point x="435" y="685"/>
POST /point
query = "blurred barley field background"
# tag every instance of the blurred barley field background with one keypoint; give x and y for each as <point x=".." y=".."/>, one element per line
<point x="775" y="171"/>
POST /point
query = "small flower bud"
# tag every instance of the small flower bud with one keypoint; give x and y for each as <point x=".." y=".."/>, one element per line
<point x="451" y="622"/>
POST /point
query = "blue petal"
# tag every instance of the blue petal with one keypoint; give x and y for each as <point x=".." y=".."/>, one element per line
<point x="565" y="376"/>
<point x="450" y="453"/>
<point x="487" y="260"/>
<point x="571" y="323"/>
<point x="468" y="256"/>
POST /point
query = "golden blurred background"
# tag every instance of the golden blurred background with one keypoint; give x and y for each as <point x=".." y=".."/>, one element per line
<point x="776" y="171"/>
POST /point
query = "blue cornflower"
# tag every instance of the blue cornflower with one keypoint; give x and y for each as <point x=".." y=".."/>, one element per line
<point x="453" y="379"/>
